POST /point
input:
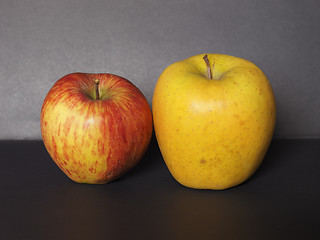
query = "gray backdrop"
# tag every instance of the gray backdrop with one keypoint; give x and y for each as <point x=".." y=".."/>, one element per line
<point x="41" y="41"/>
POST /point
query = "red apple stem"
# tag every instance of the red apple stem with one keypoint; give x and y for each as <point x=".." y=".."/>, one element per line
<point x="209" y="73"/>
<point x="96" y="87"/>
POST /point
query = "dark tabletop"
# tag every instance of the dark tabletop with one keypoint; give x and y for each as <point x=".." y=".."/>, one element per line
<point x="281" y="200"/>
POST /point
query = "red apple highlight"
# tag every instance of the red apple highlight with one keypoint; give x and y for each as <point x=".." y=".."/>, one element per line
<point x="95" y="127"/>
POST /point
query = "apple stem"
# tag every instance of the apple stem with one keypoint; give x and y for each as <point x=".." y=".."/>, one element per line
<point x="96" y="87"/>
<point x="205" y="58"/>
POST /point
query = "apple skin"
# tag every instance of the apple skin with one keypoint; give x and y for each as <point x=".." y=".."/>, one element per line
<point x="95" y="141"/>
<point x="213" y="133"/>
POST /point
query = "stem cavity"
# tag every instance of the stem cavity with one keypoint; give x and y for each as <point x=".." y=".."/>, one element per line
<point x="209" y="73"/>
<point x="96" y="87"/>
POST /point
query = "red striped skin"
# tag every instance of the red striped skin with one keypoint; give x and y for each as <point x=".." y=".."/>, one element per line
<point x="95" y="141"/>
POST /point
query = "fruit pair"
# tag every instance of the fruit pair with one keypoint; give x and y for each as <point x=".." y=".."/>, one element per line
<point x="214" y="117"/>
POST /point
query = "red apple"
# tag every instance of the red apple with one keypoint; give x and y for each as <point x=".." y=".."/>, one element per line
<point x="95" y="127"/>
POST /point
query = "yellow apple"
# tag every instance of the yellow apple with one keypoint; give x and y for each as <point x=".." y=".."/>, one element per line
<point x="214" y="118"/>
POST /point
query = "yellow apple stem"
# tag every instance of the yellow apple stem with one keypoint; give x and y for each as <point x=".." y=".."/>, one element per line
<point x="96" y="87"/>
<point x="205" y="58"/>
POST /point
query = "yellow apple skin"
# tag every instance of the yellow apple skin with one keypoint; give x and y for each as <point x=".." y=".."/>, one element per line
<point x="213" y="133"/>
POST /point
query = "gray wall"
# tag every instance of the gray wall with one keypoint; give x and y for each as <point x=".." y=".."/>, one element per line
<point x="41" y="41"/>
